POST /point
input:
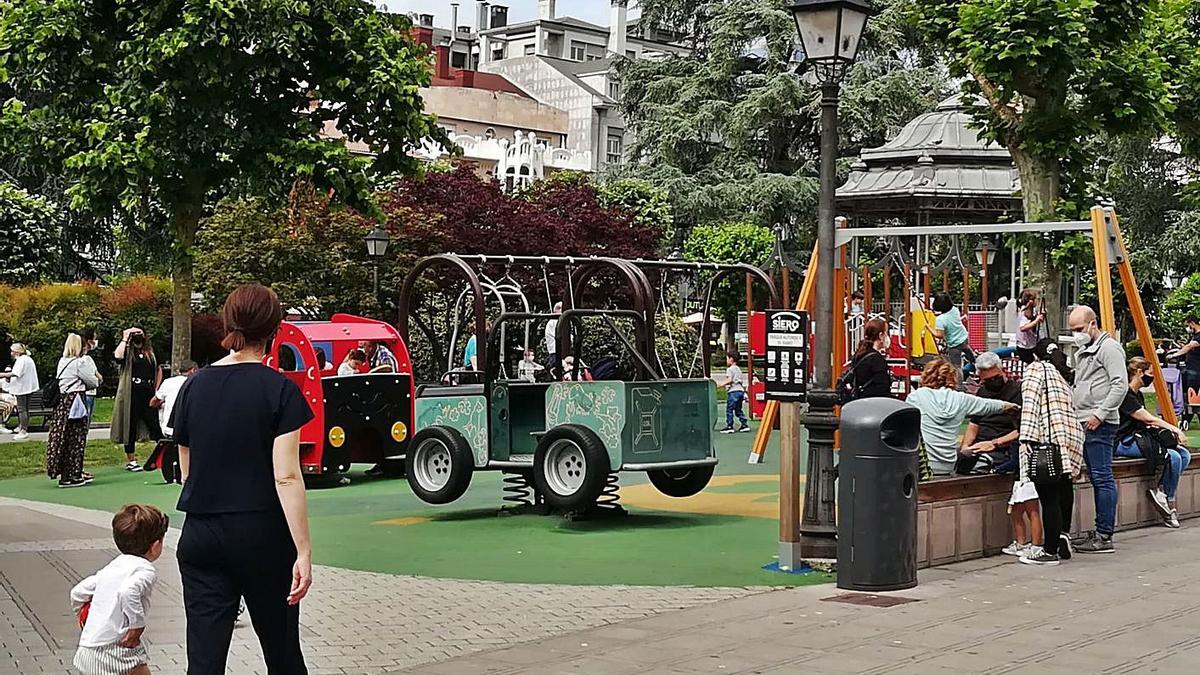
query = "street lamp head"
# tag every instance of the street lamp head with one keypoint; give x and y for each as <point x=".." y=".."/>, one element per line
<point x="985" y="247"/>
<point x="377" y="242"/>
<point x="830" y="32"/>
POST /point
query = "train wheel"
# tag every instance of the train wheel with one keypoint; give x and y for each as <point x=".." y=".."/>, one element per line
<point x="439" y="465"/>
<point x="681" y="482"/>
<point x="570" y="466"/>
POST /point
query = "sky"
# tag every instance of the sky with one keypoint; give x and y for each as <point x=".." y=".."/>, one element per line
<point x="595" y="11"/>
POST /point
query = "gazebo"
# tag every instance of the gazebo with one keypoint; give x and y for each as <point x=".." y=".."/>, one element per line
<point x="936" y="171"/>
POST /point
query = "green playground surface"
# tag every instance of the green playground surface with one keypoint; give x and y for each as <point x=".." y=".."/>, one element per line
<point x="721" y="537"/>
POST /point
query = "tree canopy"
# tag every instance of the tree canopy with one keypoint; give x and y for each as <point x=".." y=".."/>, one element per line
<point x="163" y="108"/>
<point x="27" y="226"/>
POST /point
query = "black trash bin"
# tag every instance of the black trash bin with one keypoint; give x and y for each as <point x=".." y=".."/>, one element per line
<point x="878" y="469"/>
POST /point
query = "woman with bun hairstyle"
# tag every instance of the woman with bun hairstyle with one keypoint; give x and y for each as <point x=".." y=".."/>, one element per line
<point x="238" y="424"/>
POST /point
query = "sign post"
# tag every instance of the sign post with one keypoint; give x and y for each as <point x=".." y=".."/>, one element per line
<point x="786" y="380"/>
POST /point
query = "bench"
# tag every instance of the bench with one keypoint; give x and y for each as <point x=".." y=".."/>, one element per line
<point x="965" y="517"/>
<point x="37" y="411"/>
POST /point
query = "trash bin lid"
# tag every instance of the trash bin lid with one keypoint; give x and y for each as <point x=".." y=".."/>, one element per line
<point x="880" y="427"/>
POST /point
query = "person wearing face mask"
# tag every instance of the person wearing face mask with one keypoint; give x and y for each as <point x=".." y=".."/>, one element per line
<point x="989" y="439"/>
<point x="869" y="367"/>
<point x="1191" y="364"/>
<point x="1100" y="386"/>
<point x="1134" y="419"/>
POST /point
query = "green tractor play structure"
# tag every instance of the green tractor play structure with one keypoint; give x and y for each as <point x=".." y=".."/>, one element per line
<point x="563" y="441"/>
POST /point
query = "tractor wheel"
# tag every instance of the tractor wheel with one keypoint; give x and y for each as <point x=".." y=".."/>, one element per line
<point x="681" y="482"/>
<point x="570" y="467"/>
<point x="439" y="465"/>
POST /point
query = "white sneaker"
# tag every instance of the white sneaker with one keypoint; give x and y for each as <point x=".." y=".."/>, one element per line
<point x="6" y="430"/>
<point x="133" y="466"/>
<point x="1172" y="519"/>
<point x="728" y="430"/>
<point x="21" y="435"/>
<point x="1159" y="499"/>
<point x="1015" y="549"/>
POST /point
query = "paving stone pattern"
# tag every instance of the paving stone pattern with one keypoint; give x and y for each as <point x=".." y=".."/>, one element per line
<point x="353" y="622"/>
<point x="1135" y="611"/>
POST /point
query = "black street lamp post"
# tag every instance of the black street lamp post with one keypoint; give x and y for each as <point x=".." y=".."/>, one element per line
<point x="377" y="244"/>
<point x="830" y="32"/>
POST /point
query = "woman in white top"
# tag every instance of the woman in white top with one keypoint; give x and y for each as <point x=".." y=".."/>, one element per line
<point x="69" y="422"/>
<point x="22" y="382"/>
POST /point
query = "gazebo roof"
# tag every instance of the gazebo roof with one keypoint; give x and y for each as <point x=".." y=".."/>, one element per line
<point x="936" y="165"/>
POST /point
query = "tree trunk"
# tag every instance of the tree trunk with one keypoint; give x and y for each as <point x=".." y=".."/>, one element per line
<point x="1040" y="184"/>
<point x="187" y="221"/>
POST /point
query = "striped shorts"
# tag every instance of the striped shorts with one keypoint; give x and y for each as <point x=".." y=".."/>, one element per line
<point x="109" y="660"/>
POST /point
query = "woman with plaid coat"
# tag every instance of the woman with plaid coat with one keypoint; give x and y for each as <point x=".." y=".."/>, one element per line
<point x="1048" y="416"/>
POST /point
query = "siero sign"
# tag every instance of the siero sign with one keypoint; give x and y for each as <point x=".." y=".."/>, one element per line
<point x="787" y="355"/>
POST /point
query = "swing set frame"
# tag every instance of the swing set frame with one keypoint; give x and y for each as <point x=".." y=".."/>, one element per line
<point x="1109" y="251"/>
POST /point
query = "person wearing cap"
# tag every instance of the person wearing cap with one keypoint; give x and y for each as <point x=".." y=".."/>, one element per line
<point x="22" y="383"/>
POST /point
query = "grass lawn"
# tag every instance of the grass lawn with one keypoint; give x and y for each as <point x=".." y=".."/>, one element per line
<point x="721" y="537"/>
<point x="28" y="458"/>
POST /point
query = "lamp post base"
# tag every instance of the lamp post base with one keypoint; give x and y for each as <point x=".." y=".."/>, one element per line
<point x="818" y="524"/>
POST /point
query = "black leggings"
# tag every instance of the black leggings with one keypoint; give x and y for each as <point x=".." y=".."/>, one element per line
<point x="140" y="410"/>
<point x="1058" y="502"/>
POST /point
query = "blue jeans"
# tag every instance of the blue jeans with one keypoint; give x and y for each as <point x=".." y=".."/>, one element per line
<point x="1177" y="460"/>
<point x="733" y="406"/>
<point x="1098" y="452"/>
<point x="90" y="402"/>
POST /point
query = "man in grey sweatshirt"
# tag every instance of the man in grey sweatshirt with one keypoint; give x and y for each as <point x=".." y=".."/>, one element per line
<point x="1100" y="385"/>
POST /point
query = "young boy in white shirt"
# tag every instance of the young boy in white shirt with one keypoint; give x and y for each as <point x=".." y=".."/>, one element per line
<point x="112" y="603"/>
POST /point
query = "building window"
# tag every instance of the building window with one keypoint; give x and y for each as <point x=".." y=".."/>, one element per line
<point x="630" y="54"/>
<point x="530" y="50"/>
<point x="498" y="53"/>
<point x="577" y="51"/>
<point x="614" y="90"/>
<point x="458" y="60"/>
<point x="489" y="134"/>
<point x="613" y="150"/>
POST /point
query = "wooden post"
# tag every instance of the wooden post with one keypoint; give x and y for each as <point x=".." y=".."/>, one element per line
<point x="1140" y="323"/>
<point x="984" y="279"/>
<point x="966" y="293"/>
<point x="789" y="473"/>
<point x="946" y="280"/>
<point x="887" y="292"/>
<point x="867" y="300"/>
<point x="1100" y="241"/>
<point x="787" y="295"/>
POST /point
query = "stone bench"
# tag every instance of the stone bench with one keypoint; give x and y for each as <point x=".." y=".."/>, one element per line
<point x="965" y="517"/>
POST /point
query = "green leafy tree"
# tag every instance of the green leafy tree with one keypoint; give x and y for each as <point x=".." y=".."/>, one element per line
<point x="27" y="232"/>
<point x="1181" y="303"/>
<point x="737" y="242"/>
<point x="731" y="132"/>
<point x="1053" y="75"/>
<point x="160" y="107"/>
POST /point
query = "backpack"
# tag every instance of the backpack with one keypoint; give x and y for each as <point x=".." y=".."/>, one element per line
<point x="51" y="391"/>
<point x="1154" y="443"/>
<point x="847" y="385"/>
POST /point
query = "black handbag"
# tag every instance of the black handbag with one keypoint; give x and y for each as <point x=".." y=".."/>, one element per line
<point x="1045" y="458"/>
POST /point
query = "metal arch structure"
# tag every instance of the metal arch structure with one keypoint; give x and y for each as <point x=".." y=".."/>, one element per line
<point x="454" y="262"/>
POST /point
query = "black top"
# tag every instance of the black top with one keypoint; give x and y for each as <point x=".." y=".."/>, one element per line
<point x="229" y="417"/>
<point x="998" y="424"/>
<point x="142" y="368"/>
<point x="872" y="378"/>
<point x="1192" y="359"/>
<point x="1133" y="402"/>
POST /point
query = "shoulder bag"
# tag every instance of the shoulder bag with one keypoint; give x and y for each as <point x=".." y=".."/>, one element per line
<point x="1045" y="458"/>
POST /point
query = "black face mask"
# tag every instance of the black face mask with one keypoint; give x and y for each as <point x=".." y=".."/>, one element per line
<point x="994" y="383"/>
<point x="1147" y="380"/>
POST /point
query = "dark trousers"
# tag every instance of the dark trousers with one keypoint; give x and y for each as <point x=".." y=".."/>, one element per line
<point x="140" y="410"/>
<point x="227" y="556"/>
<point x="1058" y="502"/>
<point x="1191" y="381"/>
<point x="23" y="411"/>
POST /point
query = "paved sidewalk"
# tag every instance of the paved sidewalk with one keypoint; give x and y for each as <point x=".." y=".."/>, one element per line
<point x="94" y="434"/>
<point x="353" y="622"/>
<point x="1136" y="611"/>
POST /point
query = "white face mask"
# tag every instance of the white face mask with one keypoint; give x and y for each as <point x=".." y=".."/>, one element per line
<point x="1082" y="339"/>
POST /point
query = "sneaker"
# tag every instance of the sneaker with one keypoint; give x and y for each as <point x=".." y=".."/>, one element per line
<point x="6" y="430"/>
<point x="133" y="466"/>
<point x="1096" y="544"/>
<point x="1172" y="519"/>
<point x="1159" y="499"/>
<point x="1064" y="546"/>
<point x="1015" y="549"/>
<point x="745" y="429"/>
<point x="21" y="435"/>
<point x="78" y="482"/>
<point x="87" y="476"/>
<point x="728" y="430"/>
<point x="1038" y="556"/>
